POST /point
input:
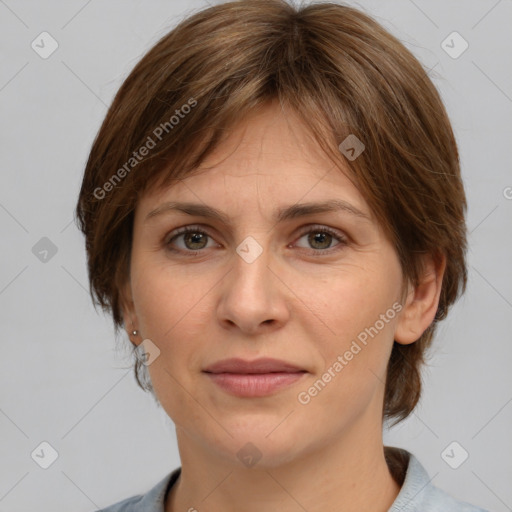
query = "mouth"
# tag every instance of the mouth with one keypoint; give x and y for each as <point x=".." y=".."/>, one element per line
<point x="258" y="366"/>
<point x="257" y="378"/>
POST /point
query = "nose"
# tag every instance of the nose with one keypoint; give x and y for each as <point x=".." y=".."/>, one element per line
<point x="253" y="297"/>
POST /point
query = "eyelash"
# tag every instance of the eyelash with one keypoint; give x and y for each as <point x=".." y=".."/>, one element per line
<point x="311" y="229"/>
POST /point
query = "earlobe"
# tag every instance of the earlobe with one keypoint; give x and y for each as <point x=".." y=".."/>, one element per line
<point x="130" y="320"/>
<point x="128" y="309"/>
<point x="421" y="303"/>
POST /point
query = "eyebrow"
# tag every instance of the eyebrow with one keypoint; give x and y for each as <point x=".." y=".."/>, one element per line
<point x="282" y="214"/>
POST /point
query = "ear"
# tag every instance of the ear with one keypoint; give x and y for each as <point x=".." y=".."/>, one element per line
<point x="421" y="303"/>
<point x="128" y="310"/>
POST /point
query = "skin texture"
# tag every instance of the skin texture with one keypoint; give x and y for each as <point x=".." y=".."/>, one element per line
<point x="293" y="302"/>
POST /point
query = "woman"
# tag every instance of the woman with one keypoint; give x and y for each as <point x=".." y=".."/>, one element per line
<point x="274" y="212"/>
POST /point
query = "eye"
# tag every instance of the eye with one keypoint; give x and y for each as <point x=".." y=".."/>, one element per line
<point x="320" y="238"/>
<point x="193" y="238"/>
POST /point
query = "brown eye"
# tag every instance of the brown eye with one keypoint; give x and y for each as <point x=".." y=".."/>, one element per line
<point x="192" y="240"/>
<point x="321" y="239"/>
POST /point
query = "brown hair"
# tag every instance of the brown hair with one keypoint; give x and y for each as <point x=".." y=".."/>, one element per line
<point x="343" y="74"/>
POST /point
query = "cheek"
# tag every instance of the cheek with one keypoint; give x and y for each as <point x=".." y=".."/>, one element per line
<point x="166" y="297"/>
<point x="171" y="313"/>
<point x="357" y="308"/>
<point x="350" y="301"/>
<point x="354" y="366"/>
<point x="174" y="311"/>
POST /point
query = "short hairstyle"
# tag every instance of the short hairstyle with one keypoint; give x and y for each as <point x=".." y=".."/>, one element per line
<point x="343" y="74"/>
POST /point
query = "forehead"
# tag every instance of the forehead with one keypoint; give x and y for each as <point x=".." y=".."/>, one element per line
<point x="269" y="155"/>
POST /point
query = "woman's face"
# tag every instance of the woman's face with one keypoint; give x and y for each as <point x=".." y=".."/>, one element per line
<point x="318" y="291"/>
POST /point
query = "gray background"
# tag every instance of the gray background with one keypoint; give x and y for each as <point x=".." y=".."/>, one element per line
<point x="63" y="380"/>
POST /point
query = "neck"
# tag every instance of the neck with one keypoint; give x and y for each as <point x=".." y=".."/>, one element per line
<point x="349" y="474"/>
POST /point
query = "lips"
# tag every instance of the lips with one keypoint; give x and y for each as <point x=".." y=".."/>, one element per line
<point x="252" y="379"/>
<point x="258" y="366"/>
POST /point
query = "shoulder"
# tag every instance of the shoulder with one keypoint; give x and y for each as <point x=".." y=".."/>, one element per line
<point x="151" y="501"/>
<point x="437" y="499"/>
<point x="418" y="493"/>
<point x="127" y="505"/>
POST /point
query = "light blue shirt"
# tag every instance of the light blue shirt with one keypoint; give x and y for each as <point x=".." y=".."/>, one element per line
<point x="417" y="494"/>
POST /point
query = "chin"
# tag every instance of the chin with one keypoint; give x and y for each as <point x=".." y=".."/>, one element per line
<point x="258" y="444"/>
